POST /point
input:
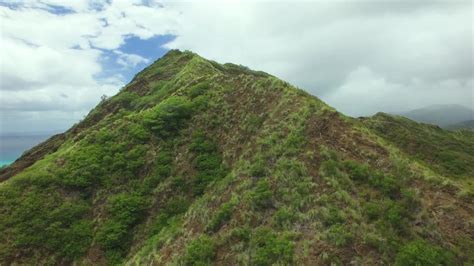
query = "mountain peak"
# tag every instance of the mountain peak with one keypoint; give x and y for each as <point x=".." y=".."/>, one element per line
<point x="196" y="162"/>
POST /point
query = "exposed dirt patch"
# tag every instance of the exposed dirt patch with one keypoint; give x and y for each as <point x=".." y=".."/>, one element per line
<point x="139" y="86"/>
<point x="95" y="256"/>
<point x="331" y="130"/>
<point x="452" y="215"/>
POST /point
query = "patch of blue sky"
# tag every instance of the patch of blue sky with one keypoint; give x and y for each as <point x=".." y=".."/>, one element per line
<point x="52" y="8"/>
<point x="55" y="9"/>
<point x="150" y="49"/>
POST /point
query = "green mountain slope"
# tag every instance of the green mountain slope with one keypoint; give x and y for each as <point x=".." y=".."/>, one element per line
<point x="447" y="153"/>
<point x="465" y="125"/>
<point x="197" y="163"/>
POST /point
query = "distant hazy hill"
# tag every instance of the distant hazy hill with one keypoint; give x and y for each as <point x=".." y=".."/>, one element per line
<point x="443" y="115"/>
<point x="198" y="163"/>
<point x="469" y="125"/>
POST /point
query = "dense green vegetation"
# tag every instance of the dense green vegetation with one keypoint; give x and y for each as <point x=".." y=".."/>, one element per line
<point x="168" y="116"/>
<point x="124" y="211"/>
<point x="421" y="253"/>
<point x="198" y="163"/>
<point x="445" y="151"/>
<point x="270" y="248"/>
<point x="207" y="162"/>
<point x="200" y="251"/>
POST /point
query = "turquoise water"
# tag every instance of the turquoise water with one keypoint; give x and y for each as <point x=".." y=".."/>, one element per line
<point x="2" y="163"/>
<point x="11" y="147"/>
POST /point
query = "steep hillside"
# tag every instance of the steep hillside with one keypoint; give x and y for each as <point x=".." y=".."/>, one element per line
<point x="447" y="153"/>
<point x="465" y="125"/>
<point x="197" y="163"/>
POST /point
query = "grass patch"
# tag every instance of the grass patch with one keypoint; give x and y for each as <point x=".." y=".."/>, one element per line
<point x="269" y="248"/>
<point x="200" y="251"/>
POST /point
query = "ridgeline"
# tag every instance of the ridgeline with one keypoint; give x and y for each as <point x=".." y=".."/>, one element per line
<point x="197" y="163"/>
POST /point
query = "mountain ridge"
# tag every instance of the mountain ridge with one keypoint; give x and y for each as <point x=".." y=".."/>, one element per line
<point x="195" y="162"/>
<point x="442" y="115"/>
<point x="464" y="125"/>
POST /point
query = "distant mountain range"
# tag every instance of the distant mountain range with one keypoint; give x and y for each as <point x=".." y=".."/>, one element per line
<point x="449" y="116"/>
<point x="462" y="125"/>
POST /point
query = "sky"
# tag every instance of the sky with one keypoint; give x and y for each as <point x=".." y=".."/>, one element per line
<point x="58" y="57"/>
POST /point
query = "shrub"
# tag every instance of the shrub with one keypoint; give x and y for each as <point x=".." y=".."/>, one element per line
<point x="202" y="144"/>
<point x="258" y="168"/>
<point x="241" y="234"/>
<point x="450" y="160"/>
<point x="169" y="116"/>
<point x="164" y="160"/>
<point x="176" y="206"/>
<point x="200" y="103"/>
<point x="294" y="142"/>
<point x="396" y="216"/>
<point x="149" y="183"/>
<point x="124" y="99"/>
<point x="357" y="171"/>
<point x="84" y="167"/>
<point x="339" y="235"/>
<point x="254" y="122"/>
<point x="179" y="183"/>
<point x="67" y="232"/>
<point x="261" y="196"/>
<point x="270" y="248"/>
<point x="410" y="200"/>
<point x="200" y="251"/>
<point x="36" y="222"/>
<point x="330" y="168"/>
<point x="173" y="207"/>
<point x="373" y="210"/>
<point x="332" y="216"/>
<point x="69" y="212"/>
<point x="222" y="216"/>
<point x="135" y="158"/>
<point x="103" y="136"/>
<point x="126" y="208"/>
<point x="421" y="253"/>
<point x="207" y="162"/>
<point x="327" y="154"/>
<point x="198" y="90"/>
<point x="112" y="235"/>
<point x="138" y="132"/>
<point x="284" y="217"/>
<point x="375" y="241"/>
<point x="209" y="169"/>
<point x="386" y="183"/>
<point x="76" y="239"/>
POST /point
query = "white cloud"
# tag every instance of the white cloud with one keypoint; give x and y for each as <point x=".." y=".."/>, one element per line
<point x="27" y="66"/>
<point x="42" y="28"/>
<point x="365" y="91"/>
<point x="52" y="54"/>
<point x="130" y="60"/>
<point x="401" y="54"/>
<point x="318" y="45"/>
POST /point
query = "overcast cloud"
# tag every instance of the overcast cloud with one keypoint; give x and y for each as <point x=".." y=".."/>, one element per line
<point x="359" y="56"/>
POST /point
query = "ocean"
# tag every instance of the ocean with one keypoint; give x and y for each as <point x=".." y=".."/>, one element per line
<point x="12" y="147"/>
<point x="7" y="162"/>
